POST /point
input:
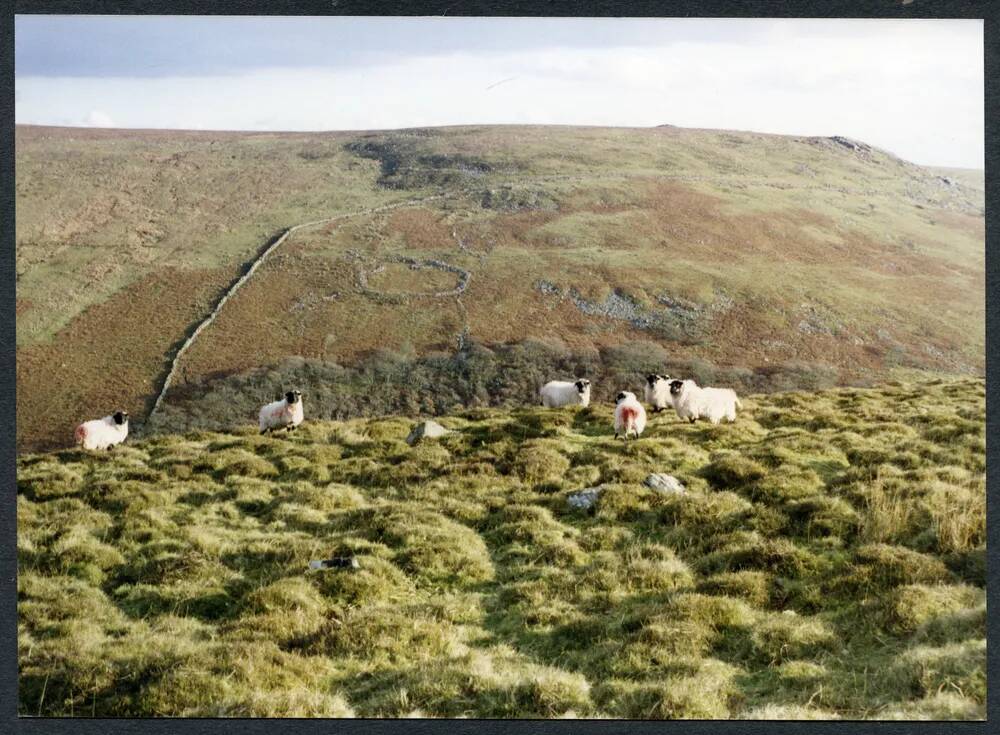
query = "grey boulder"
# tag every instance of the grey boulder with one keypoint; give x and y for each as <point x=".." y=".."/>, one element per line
<point x="584" y="499"/>
<point x="664" y="484"/>
<point x="426" y="430"/>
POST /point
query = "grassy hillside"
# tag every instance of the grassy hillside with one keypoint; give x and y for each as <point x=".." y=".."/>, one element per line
<point x="827" y="559"/>
<point x="736" y="250"/>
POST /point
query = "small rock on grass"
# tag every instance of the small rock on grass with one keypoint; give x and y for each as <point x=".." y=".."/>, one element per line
<point x="337" y="562"/>
<point x="664" y="484"/>
<point x="426" y="430"/>
<point x="584" y="499"/>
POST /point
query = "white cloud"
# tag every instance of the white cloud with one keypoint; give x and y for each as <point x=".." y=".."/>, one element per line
<point x="915" y="88"/>
<point x="98" y="119"/>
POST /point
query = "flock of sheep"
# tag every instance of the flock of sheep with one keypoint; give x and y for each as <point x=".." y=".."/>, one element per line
<point x="689" y="400"/>
<point x="105" y="433"/>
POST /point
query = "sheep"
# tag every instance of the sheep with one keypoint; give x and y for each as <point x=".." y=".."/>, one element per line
<point x="692" y="402"/>
<point x="630" y="416"/>
<point x="558" y="393"/>
<point x="103" y="433"/>
<point x="657" y="392"/>
<point x="286" y="413"/>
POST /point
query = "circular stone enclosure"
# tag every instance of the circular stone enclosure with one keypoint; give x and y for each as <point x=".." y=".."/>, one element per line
<point x="403" y="276"/>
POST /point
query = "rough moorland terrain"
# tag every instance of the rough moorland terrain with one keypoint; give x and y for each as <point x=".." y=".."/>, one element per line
<point x="772" y="255"/>
<point x="825" y="558"/>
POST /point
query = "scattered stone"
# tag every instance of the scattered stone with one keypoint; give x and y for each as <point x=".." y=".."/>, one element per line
<point x="664" y="484"/>
<point x="934" y="351"/>
<point x="808" y="327"/>
<point x="337" y="562"/>
<point x="510" y="199"/>
<point x="426" y="430"/>
<point x="584" y="499"/>
<point x="675" y="319"/>
<point x="548" y="288"/>
<point x="854" y="145"/>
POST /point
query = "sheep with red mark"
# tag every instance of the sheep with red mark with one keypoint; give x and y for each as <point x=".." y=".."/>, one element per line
<point x="102" y="433"/>
<point x="630" y="416"/>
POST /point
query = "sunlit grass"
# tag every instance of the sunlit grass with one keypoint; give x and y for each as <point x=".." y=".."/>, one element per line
<point x="826" y="561"/>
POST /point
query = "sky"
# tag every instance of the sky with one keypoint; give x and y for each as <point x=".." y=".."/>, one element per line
<point x="913" y="87"/>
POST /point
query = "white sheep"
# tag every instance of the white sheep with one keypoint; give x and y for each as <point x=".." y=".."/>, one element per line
<point x="558" y="393"/>
<point x="692" y="402"/>
<point x="285" y="413"/>
<point x="630" y="416"/>
<point x="657" y="392"/>
<point x="103" y="433"/>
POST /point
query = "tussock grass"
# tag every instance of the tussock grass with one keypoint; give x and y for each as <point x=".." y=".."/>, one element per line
<point x="809" y="570"/>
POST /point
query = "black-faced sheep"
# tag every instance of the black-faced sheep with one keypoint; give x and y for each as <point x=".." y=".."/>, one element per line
<point x="285" y="413"/>
<point x="657" y="392"/>
<point x="558" y="393"/>
<point x="692" y="402"/>
<point x="103" y="433"/>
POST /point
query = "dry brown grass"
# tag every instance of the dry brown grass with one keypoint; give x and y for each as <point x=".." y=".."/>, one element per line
<point x="124" y="239"/>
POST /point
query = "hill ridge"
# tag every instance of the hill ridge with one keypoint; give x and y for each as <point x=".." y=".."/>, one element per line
<point x="860" y="269"/>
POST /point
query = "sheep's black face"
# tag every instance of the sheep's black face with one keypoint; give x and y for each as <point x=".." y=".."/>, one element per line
<point x="120" y="417"/>
<point x="293" y="396"/>
<point x="620" y="397"/>
<point x="582" y="385"/>
<point x="675" y="387"/>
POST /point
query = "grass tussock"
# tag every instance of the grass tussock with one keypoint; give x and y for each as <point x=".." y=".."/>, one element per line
<point x="833" y="570"/>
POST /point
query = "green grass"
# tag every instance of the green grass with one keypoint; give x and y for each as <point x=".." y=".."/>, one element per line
<point x="826" y="561"/>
